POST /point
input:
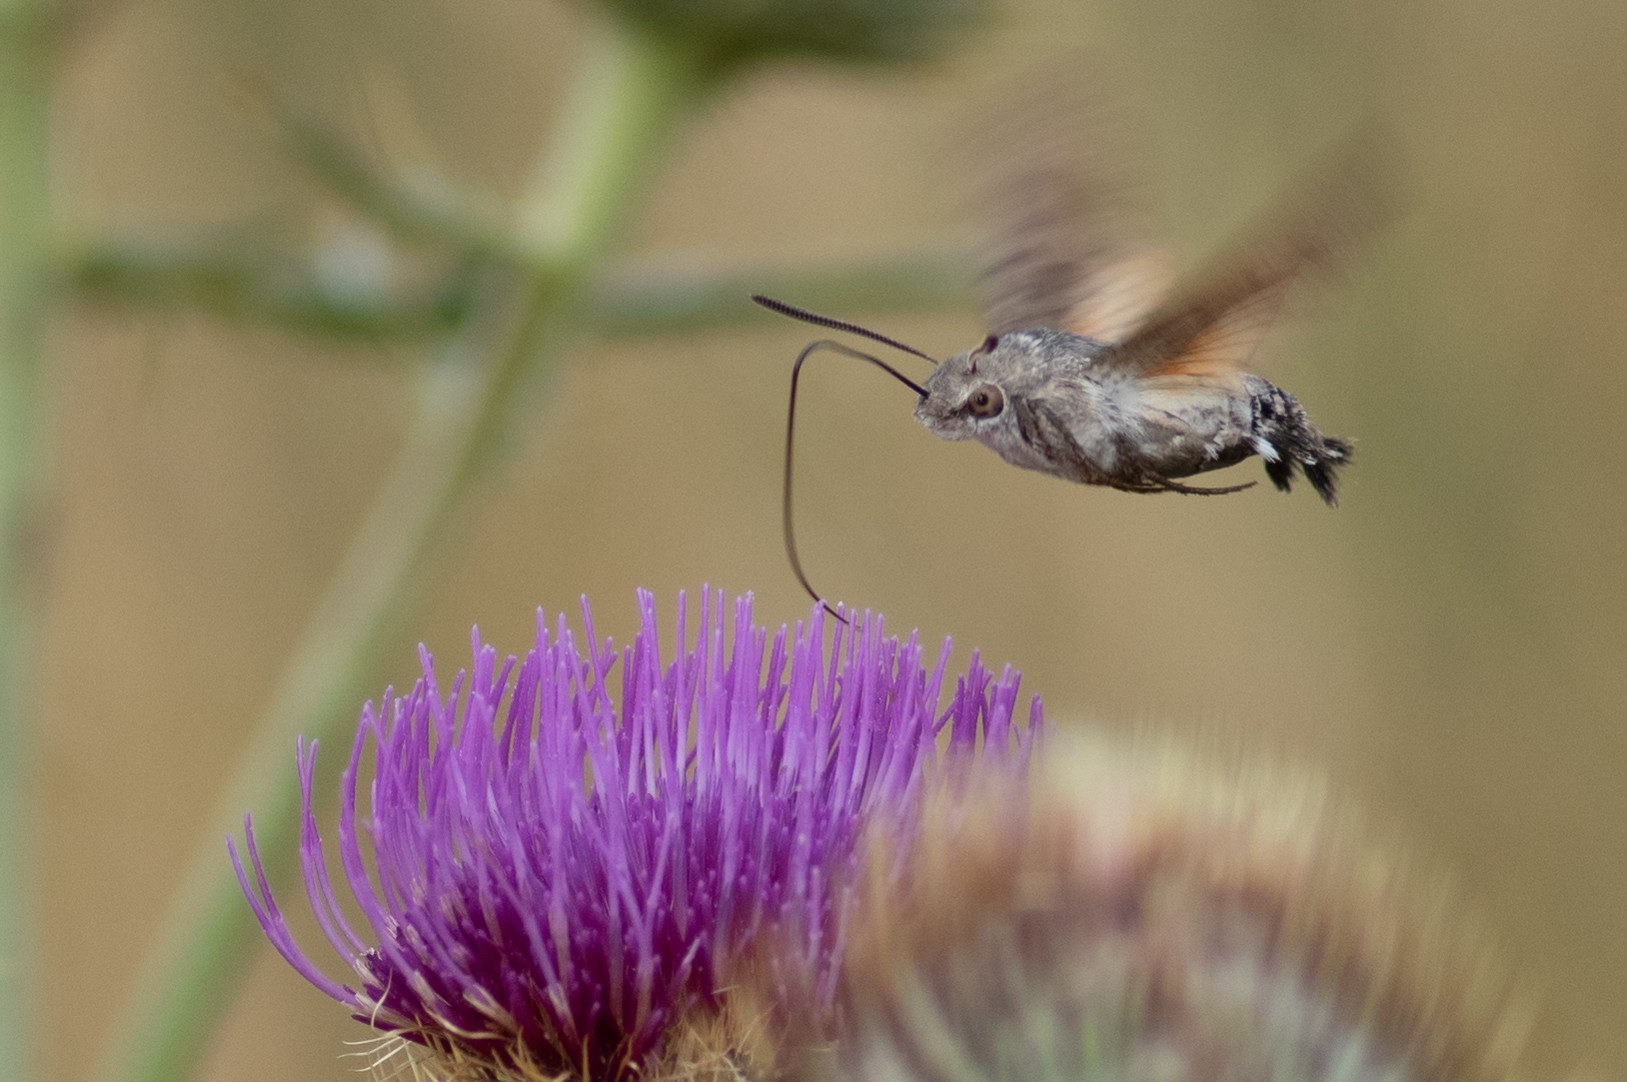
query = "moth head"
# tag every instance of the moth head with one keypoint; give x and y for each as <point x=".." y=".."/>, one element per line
<point x="967" y="393"/>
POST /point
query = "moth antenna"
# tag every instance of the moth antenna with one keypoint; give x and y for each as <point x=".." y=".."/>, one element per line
<point x="837" y="325"/>
<point x="790" y="432"/>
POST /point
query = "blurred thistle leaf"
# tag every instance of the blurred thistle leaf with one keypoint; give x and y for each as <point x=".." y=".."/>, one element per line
<point x="739" y="31"/>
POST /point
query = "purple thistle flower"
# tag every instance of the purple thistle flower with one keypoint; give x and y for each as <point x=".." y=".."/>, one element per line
<point x="558" y="882"/>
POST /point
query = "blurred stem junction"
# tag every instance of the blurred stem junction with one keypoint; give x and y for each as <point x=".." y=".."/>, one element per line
<point x="297" y="290"/>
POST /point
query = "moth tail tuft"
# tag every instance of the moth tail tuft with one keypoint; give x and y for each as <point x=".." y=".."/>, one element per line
<point x="1280" y="423"/>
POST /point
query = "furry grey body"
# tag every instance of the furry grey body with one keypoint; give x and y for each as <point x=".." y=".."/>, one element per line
<point x="1066" y="409"/>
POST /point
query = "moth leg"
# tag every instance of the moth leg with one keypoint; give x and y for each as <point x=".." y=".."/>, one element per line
<point x="1044" y="429"/>
<point x="1166" y="485"/>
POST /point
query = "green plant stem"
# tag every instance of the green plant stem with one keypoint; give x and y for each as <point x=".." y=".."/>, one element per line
<point x="663" y="296"/>
<point x="264" y="287"/>
<point x="629" y="95"/>
<point x="413" y="212"/>
<point x="26" y="68"/>
<point x="661" y="300"/>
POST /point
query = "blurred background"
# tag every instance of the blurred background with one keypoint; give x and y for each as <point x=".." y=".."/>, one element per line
<point x="1450" y="645"/>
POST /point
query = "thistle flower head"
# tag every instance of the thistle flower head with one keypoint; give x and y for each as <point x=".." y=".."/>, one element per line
<point x="1140" y="916"/>
<point x="555" y="881"/>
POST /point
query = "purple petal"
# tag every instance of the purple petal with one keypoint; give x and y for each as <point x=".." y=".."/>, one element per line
<point x="557" y="876"/>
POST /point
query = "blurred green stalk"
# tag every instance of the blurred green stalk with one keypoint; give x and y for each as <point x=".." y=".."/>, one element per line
<point x="671" y="295"/>
<point x="630" y="93"/>
<point x="26" y="48"/>
<point x="699" y="297"/>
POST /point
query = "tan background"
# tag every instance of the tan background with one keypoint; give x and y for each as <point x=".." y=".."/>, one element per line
<point x="1451" y="644"/>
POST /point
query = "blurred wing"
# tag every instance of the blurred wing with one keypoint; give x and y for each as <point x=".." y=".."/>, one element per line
<point x="1066" y="250"/>
<point x="1214" y="328"/>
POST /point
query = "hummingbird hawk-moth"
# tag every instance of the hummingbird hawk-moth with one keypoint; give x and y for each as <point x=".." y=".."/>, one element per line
<point x="1094" y="373"/>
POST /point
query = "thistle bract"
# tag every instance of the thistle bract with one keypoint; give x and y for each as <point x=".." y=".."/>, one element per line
<point x="550" y="879"/>
<point x="1138" y="913"/>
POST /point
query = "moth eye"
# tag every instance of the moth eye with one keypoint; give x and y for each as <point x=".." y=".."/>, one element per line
<point x="989" y="343"/>
<point x="987" y="401"/>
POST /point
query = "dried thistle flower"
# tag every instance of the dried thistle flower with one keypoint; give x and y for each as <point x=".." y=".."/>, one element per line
<point x="556" y="884"/>
<point x="1143" y="918"/>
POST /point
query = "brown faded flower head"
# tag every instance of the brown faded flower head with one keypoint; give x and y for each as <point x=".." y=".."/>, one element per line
<point x="1139" y="916"/>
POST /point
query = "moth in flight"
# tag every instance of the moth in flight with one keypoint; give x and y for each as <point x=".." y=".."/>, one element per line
<point x="1094" y="372"/>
